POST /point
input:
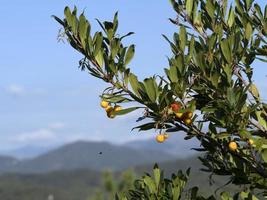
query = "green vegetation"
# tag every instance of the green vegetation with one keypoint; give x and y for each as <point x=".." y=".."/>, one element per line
<point x="208" y="83"/>
<point x="82" y="184"/>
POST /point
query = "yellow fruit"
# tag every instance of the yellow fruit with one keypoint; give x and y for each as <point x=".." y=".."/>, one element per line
<point x="117" y="108"/>
<point x="233" y="146"/>
<point x="250" y="141"/>
<point x="160" y="138"/>
<point x="109" y="109"/>
<point x="188" y="115"/>
<point x="111" y="114"/>
<point x="166" y="135"/>
<point x="179" y="115"/>
<point x="187" y="121"/>
<point x="104" y="104"/>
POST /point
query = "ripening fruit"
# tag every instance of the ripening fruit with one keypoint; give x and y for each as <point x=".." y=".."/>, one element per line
<point x="104" y="104"/>
<point x="179" y="115"/>
<point x="188" y="115"/>
<point x="160" y="138"/>
<point x="109" y="109"/>
<point x="233" y="146"/>
<point x="166" y="135"/>
<point x="187" y="121"/>
<point x="250" y="141"/>
<point x="117" y="108"/>
<point x="176" y="106"/>
<point x="111" y="114"/>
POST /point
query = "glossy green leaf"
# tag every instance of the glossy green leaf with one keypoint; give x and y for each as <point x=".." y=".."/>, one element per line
<point x="99" y="58"/>
<point x="157" y="177"/>
<point x="151" y="89"/>
<point x="225" y="48"/>
<point x="126" y="111"/>
<point x="231" y="17"/>
<point x="248" y="31"/>
<point x="129" y="54"/>
<point x="84" y="29"/>
<point x="183" y="38"/>
<point x="210" y="8"/>
<point x="189" y="7"/>
<point x="134" y="83"/>
<point x="264" y="155"/>
<point x="98" y="42"/>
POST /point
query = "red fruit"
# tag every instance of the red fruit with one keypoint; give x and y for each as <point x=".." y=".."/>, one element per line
<point x="176" y="106"/>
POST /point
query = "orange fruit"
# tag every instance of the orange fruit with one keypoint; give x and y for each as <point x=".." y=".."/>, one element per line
<point x="250" y="141"/>
<point x="160" y="138"/>
<point x="187" y="121"/>
<point x="179" y="115"/>
<point x="188" y="115"/>
<point x="104" y="104"/>
<point x="109" y="109"/>
<point x="176" y="106"/>
<point x="233" y="146"/>
<point x="111" y="114"/>
<point x="117" y="108"/>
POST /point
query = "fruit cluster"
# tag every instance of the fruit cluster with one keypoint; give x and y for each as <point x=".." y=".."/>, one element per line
<point x="186" y="117"/>
<point x="111" y="111"/>
<point x="233" y="146"/>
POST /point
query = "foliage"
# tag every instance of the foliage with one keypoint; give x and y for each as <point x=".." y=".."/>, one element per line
<point x="210" y="74"/>
<point x="111" y="186"/>
<point x="160" y="188"/>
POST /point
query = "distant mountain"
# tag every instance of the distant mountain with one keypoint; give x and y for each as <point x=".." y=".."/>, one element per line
<point x="175" y="145"/>
<point x="88" y="155"/>
<point x="7" y="162"/>
<point x="27" y="152"/>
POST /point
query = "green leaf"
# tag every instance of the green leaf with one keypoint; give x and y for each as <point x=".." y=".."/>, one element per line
<point x="99" y="58"/>
<point x="157" y="175"/>
<point x="58" y="20"/>
<point x="231" y="17"/>
<point x="183" y="38"/>
<point x="248" y="31"/>
<point x="189" y="7"/>
<point x="210" y="8"/>
<point x="126" y="111"/>
<point x="258" y="10"/>
<point x="134" y="84"/>
<point x="261" y="120"/>
<point x="115" y="22"/>
<point x="84" y="29"/>
<point x="173" y="74"/>
<point x="149" y="84"/>
<point x="129" y="54"/>
<point x="145" y="127"/>
<point x="115" y="99"/>
<point x="253" y="89"/>
<point x="225" y="196"/>
<point x="128" y="34"/>
<point x="98" y="42"/>
<point x="264" y="155"/>
<point x="225" y="48"/>
<point x="150" y="183"/>
<point x="71" y="19"/>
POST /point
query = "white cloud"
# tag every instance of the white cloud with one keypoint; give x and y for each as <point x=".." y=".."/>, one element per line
<point x="16" y="90"/>
<point x="36" y="135"/>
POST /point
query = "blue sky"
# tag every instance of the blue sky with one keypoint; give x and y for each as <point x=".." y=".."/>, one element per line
<point x="44" y="98"/>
